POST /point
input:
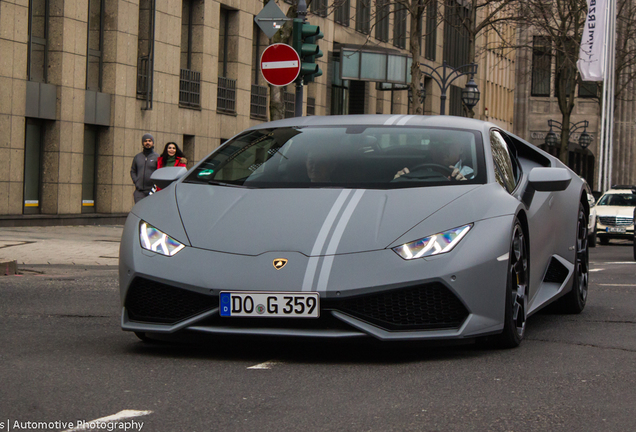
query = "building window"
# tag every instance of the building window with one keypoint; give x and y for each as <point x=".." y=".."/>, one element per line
<point x="341" y="13"/>
<point x="191" y="58"/>
<point x="339" y="90"/>
<point x="399" y="26"/>
<point x="94" y="63"/>
<point x="455" y="104"/>
<point x="88" y="169"/>
<point x="588" y="89"/>
<point x="33" y="166"/>
<point x="430" y="39"/>
<point x="226" y="89"/>
<point x="319" y="7"/>
<point x="382" y="12"/>
<point x="541" y="66"/>
<point x="566" y="70"/>
<point x="145" y="51"/>
<point x="311" y="106"/>
<point x="38" y="35"/>
<point x="456" y="40"/>
<point x="363" y="16"/>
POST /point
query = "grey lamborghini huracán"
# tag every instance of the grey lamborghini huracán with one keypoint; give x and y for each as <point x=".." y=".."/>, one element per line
<point x="393" y="227"/>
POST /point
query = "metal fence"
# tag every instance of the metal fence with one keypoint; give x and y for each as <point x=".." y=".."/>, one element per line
<point x="190" y="88"/>
<point x="258" y="102"/>
<point x="226" y="95"/>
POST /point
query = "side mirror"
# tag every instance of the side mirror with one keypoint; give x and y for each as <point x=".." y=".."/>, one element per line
<point x="549" y="179"/>
<point x="164" y="176"/>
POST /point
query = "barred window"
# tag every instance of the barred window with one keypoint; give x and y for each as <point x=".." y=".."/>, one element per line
<point x="382" y="12"/>
<point x="430" y="41"/>
<point x="541" y="66"/>
<point x="456" y="40"/>
<point x="399" y="27"/>
<point x="319" y="7"/>
<point x="363" y="16"/>
<point x="341" y="12"/>
<point x="94" y="63"/>
<point x="38" y="35"/>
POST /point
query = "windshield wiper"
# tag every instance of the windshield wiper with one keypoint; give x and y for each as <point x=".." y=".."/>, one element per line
<point x="218" y="183"/>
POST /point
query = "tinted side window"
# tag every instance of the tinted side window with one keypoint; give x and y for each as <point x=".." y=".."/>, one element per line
<point x="504" y="171"/>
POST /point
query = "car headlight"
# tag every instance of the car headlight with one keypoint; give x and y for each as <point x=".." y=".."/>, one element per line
<point x="433" y="245"/>
<point x="156" y="241"/>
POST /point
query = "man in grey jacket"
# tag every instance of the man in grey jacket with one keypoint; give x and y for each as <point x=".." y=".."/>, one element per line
<point x="143" y="165"/>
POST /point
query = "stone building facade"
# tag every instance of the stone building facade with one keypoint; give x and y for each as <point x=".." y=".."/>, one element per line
<point x="82" y="80"/>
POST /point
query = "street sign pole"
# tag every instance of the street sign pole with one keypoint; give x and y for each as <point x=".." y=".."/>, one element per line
<point x="298" y="105"/>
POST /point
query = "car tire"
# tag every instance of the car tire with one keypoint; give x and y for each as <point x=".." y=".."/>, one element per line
<point x="517" y="278"/>
<point x="591" y="240"/>
<point x="574" y="301"/>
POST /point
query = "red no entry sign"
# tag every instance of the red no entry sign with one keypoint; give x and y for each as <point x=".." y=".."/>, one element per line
<point x="280" y="64"/>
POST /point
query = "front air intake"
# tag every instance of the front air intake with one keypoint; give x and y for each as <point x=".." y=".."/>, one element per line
<point x="156" y="302"/>
<point x="423" y="307"/>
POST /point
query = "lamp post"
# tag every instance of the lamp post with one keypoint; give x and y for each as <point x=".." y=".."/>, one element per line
<point x="585" y="139"/>
<point x="445" y="75"/>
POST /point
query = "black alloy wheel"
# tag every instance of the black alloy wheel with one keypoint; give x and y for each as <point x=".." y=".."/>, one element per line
<point x="516" y="291"/>
<point x="574" y="301"/>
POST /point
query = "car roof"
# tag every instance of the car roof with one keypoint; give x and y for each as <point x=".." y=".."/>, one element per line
<point x="620" y="191"/>
<point x="380" y="120"/>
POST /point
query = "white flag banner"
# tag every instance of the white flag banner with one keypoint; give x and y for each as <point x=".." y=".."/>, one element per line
<point x="591" y="60"/>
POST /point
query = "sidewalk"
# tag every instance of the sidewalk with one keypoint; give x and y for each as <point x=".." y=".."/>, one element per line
<point x="71" y="245"/>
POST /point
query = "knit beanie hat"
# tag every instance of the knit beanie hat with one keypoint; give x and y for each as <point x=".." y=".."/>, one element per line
<point x="147" y="136"/>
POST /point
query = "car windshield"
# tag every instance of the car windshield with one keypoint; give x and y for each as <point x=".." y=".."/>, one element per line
<point x="348" y="157"/>
<point x="621" y="200"/>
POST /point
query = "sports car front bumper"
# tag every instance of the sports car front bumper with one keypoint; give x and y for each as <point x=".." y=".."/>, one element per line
<point x="376" y="293"/>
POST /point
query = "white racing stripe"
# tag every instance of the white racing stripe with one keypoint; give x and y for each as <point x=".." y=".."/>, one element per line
<point x="404" y="120"/>
<point x="119" y="417"/>
<point x="325" y="271"/>
<point x="392" y="120"/>
<point x="321" y="239"/>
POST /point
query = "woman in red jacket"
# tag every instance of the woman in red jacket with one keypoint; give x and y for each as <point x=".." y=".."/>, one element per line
<point x="171" y="156"/>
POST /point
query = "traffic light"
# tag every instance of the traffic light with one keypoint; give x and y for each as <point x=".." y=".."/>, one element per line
<point x="305" y="41"/>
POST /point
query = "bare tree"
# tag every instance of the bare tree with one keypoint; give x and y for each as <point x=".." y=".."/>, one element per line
<point x="560" y="23"/>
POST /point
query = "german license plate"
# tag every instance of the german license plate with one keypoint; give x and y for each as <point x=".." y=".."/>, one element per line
<point x="269" y="304"/>
<point x="616" y="230"/>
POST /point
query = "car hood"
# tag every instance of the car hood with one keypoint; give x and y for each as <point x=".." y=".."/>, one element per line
<point x="310" y="221"/>
<point x="614" y="211"/>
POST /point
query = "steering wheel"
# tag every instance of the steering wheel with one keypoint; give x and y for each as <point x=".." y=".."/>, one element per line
<point x="444" y="170"/>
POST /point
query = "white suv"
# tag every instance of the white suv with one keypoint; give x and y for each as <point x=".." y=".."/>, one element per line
<point x="615" y="214"/>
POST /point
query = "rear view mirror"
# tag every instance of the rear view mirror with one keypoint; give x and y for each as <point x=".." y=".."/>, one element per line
<point x="164" y="176"/>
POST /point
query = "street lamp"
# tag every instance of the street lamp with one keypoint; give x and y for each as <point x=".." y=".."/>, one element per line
<point x="585" y="139"/>
<point x="445" y="75"/>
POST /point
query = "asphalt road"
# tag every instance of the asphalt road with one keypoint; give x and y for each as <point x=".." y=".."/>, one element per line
<point x="64" y="359"/>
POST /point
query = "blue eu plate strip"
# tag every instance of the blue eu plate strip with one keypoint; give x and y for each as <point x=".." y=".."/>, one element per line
<point x="225" y="300"/>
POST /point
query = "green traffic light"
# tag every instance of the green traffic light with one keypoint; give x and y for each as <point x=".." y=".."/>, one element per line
<point x="304" y="40"/>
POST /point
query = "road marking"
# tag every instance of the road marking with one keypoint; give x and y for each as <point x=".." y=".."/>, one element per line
<point x="265" y="365"/>
<point x="632" y="285"/>
<point x="121" y="415"/>
<point x="621" y="262"/>
<point x="595" y="270"/>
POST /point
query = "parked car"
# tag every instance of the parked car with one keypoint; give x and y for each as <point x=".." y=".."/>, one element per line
<point x="615" y="214"/>
<point x="591" y="226"/>
<point x="314" y="227"/>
